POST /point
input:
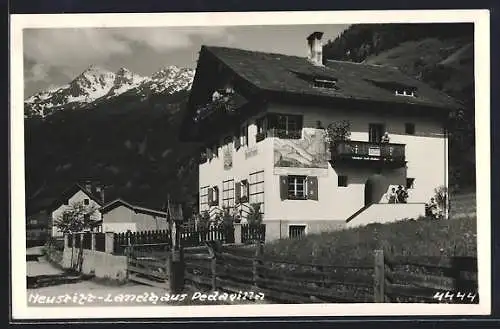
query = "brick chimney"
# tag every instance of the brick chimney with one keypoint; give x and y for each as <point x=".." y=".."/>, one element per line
<point x="88" y="186"/>
<point x="315" y="48"/>
<point x="99" y="189"/>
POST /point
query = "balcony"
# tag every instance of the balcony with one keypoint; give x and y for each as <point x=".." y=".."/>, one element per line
<point x="387" y="154"/>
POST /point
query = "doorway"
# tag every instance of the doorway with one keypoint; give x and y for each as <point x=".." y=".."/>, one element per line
<point x="375" y="188"/>
<point x="375" y="132"/>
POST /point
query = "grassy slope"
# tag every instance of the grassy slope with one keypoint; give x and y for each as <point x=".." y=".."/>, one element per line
<point x="421" y="237"/>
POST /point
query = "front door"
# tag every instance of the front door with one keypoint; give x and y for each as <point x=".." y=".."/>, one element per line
<point x="375" y="132"/>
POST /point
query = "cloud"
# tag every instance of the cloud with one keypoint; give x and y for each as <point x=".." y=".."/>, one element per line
<point x="37" y="72"/>
<point x="67" y="47"/>
<point x="168" y="39"/>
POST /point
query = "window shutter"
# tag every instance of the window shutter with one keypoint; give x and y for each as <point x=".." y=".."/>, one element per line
<point x="210" y="196"/>
<point x="312" y="188"/>
<point x="284" y="187"/>
<point x="237" y="192"/>
<point x="216" y="196"/>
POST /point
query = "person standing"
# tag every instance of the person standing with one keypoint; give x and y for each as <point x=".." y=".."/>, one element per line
<point x="391" y="196"/>
<point x="385" y="138"/>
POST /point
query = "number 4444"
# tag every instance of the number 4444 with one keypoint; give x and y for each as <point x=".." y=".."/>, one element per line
<point x="455" y="296"/>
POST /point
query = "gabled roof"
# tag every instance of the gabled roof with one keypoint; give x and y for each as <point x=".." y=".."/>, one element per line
<point x="68" y="193"/>
<point x="285" y="74"/>
<point x="120" y="202"/>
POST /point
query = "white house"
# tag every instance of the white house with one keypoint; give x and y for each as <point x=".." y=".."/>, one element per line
<point x="120" y="216"/>
<point x="262" y="118"/>
<point x="90" y="195"/>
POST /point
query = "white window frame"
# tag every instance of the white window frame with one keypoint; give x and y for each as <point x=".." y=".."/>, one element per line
<point x="295" y="186"/>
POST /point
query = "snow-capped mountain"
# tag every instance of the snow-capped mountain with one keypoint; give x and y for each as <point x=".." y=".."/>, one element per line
<point x="96" y="84"/>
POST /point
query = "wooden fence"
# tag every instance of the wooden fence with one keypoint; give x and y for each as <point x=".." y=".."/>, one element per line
<point x="189" y="237"/>
<point x="429" y="279"/>
<point x="250" y="234"/>
<point x="279" y="281"/>
<point x="147" y="267"/>
<point x="400" y="279"/>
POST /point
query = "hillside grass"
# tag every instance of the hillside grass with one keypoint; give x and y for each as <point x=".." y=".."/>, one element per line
<point x="421" y="237"/>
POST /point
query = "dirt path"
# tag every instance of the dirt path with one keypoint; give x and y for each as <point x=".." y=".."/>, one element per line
<point x="51" y="286"/>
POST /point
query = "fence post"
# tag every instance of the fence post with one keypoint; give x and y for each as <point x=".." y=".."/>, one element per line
<point x="128" y="253"/>
<point x="379" y="279"/>
<point x="237" y="233"/>
<point x="92" y="241"/>
<point x="109" y="241"/>
<point x="66" y="240"/>
<point x="176" y="272"/>
<point x="213" y="264"/>
<point x="257" y="262"/>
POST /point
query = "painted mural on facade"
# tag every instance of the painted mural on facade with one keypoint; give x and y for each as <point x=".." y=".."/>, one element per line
<point x="310" y="151"/>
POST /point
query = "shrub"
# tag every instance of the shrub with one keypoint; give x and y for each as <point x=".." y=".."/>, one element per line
<point x="203" y="220"/>
<point x="227" y="218"/>
<point x="338" y="131"/>
<point x="255" y="216"/>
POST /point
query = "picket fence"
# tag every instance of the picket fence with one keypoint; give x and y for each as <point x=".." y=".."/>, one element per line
<point x="189" y="237"/>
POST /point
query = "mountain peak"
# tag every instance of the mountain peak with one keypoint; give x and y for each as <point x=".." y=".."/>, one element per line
<point x="96" y="84"/>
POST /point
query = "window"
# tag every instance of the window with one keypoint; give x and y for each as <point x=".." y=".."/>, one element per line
<point x="244" y="135"/>
<point x="228" y="193"/>
<point x="86" y="217"/>
<point x="410" y="182"/>
<point x="342" y="181"/>
<point x="296" y="231"/>
<point x="261" y="129"/>
<point x="404" y="92"/>
<point x="289" y="126"/>
<point x="215" y="149"/>
<point x="297" y="187"/>
<point x="260" y="123"/>
<point x="256" y="189"/>
<point x="375" y="132"/>
<point x="33" y="222"/>
<point x="86" y="202"/>
<point x="204" y="198"/>
<point x="325" y="83"/>
<point x="410" y="128"/>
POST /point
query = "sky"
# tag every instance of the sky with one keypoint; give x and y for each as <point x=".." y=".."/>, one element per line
<point x="53" y="57"/>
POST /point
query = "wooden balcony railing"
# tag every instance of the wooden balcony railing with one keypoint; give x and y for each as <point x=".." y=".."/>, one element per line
<point x="367" y="151"/>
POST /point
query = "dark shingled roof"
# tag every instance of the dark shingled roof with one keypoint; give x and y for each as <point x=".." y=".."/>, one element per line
<point x="283" y="73"/>
<point x="117" y="202"/>
<point x="72" y="191"/>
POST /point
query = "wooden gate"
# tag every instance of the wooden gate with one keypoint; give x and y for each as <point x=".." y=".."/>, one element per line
<point x="148" y="264"/>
